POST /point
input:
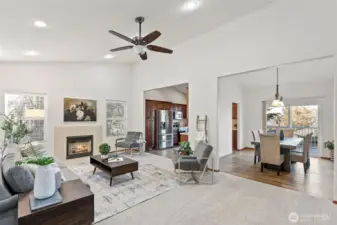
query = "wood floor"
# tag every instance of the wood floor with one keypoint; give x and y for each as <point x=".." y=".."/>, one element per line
<point x="318" y="181"/>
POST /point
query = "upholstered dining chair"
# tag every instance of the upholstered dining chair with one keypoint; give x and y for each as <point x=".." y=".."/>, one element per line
<point x="270" y="151"/>
<point x="303" y="156"/>
<point x="256" y="138"/>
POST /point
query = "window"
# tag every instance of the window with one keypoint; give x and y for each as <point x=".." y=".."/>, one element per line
<point x="29" y="107"/>
<point x="304" y="116"/>
<point x="278" y="116"/>
<point x="293" y="116"/>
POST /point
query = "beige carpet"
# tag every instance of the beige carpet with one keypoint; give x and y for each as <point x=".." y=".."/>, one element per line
<point x="231" y="201"/>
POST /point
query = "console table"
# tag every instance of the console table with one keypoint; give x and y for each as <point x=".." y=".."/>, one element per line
<point x="77" y="207"/>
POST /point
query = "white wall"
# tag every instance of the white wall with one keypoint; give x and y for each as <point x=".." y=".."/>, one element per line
<point x="229" y="92"/>
<point x="59" y="80"/>
<point x="293" y="94"/>
<point x="169" y="94"/>
<point x="286" y="31"/>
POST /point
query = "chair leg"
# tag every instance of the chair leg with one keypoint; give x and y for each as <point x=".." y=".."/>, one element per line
<point x="278" y="170"/>
<point x="305" y="167"/>
<point x="255" y="159"/>
<point x="262" y="165"/>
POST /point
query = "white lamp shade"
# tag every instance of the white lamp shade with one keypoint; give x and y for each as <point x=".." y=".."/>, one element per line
<point x="277" y="103"/>
<point x="140" y="49"/>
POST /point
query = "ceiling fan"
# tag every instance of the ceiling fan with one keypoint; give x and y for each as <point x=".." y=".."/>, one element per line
<point x="141" y="44"/>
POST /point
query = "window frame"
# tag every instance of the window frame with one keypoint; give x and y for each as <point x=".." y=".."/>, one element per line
<point x="290" y="118"/>
<point x="45" y="109"/>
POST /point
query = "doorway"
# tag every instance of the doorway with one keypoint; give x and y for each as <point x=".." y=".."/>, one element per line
<point x="235" y="126"/>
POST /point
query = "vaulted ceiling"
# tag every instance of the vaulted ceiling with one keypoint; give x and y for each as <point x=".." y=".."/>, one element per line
<point x="77" y="30"/>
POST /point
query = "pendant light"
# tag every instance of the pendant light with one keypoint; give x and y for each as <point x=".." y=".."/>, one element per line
<point x="278" y="102"/>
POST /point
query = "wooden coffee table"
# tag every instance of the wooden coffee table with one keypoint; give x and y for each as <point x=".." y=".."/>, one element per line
<point x="114" y="168"/>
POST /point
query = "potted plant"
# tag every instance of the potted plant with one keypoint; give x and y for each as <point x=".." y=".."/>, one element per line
<point x="44" y="182"/>
<point x="330" y="145"/>
<point x="185" y="148"/>
<point x="104" y="149"/>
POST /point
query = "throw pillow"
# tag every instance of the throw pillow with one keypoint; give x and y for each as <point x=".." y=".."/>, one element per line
<point x="18" y="178"/>
<point x="33" y="149"/>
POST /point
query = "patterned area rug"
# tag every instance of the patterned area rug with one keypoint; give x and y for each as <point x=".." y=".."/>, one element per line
<point x="149" y="182"/>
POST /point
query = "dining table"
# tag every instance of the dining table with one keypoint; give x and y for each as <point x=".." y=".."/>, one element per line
<point x="286" y="145"/>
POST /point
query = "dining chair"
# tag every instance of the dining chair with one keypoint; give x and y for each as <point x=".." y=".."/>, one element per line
<point x="270" y="151"/>
<point x="303" y="156"/>
<point x="256" y="138"/>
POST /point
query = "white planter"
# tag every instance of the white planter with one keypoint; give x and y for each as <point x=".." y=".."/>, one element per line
<point x="44" y="183"/>
<point x="104" y="156"/>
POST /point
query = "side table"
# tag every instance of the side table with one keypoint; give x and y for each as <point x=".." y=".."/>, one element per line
<point x="77" y="207"/>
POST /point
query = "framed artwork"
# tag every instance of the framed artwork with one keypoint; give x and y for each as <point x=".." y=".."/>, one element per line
<point x="79" y="110"/>
<point x="116" y="118"/>
<point x="116" y="128"/>
<point x="116" y="110"/>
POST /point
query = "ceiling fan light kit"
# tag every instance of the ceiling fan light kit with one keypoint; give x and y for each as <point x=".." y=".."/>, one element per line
<point x="141" y="44"/>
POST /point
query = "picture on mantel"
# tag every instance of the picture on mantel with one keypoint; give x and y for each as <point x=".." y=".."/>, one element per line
<point x="80" y="110"/>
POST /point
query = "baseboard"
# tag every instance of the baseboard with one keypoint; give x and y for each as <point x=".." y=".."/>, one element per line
<point x="326" y="158"/>
<point x="209" y="169"/>
<point x="247" y="148"/>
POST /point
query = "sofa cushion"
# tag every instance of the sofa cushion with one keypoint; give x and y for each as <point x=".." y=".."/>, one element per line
<point x="4" y="192"/>
<point x="18" y="178"/>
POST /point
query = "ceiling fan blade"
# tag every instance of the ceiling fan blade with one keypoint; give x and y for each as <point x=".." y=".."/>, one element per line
<point x="156" y="48"/>
<point x="150" y="37"/>
<point x="121" y="48"/>
<point x="144" y="56"/>
<point x="122" y="36"/>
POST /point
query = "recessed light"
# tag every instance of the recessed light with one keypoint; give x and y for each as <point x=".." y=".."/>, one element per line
<point x="190" y="5"/>
<point x="40" y="24"/>
<point x="108" y="56"/>
<point x="32" y="53"/>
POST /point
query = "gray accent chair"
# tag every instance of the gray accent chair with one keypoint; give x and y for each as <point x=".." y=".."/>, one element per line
<point x="196" y="163"/>
<point x="130" y="141"/>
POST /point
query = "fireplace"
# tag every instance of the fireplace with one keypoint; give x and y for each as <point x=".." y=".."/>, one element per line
<point x="79" y="146"/>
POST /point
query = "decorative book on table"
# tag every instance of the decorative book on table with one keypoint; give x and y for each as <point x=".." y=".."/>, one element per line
<point x="41" y="203"/>
<point x="115" y="159"/>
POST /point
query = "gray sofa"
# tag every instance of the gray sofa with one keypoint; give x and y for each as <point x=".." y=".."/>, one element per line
<point x="8" y="203"/>
<point x="13" y="181"/>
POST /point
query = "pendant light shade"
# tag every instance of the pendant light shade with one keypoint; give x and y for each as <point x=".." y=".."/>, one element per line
<point x="278" y="101"/>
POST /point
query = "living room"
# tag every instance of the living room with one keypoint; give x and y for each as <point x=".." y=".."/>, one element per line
<point x="66" y="61"/>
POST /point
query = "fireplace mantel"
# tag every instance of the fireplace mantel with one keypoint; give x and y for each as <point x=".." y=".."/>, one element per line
<point x="62" y="132"/>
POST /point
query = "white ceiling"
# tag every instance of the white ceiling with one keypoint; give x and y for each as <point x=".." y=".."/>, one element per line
<point x="78" y="29"/>
<point x="305" y="72"/>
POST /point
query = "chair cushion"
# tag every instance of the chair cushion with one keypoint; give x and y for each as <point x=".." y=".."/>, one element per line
<point x="297" y="157"/>
<point x="127" y="144"/>
<point x="18" y="178"/>
<point x="203" y="150"/>
<point x="187" y="164"/>
<point x="133" y="136"/>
